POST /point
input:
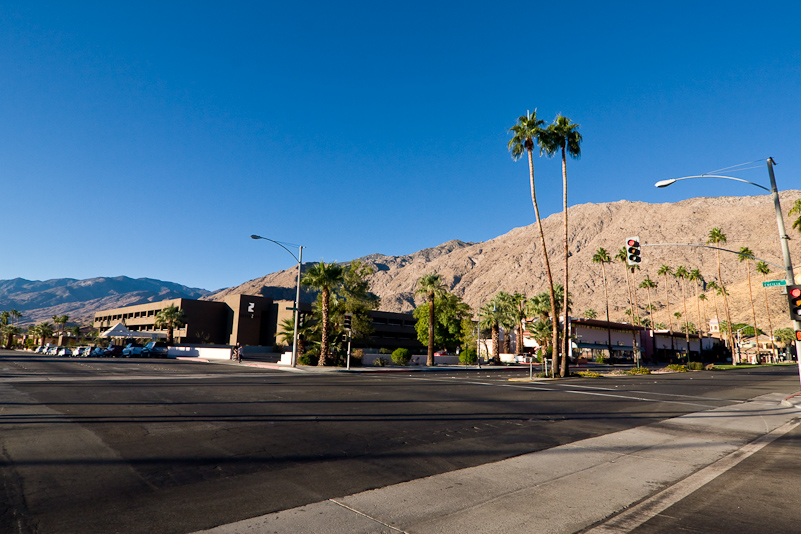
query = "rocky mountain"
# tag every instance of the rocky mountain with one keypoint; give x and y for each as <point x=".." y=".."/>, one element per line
<point x="79" y="299"/>
<point x="513" y="262"/>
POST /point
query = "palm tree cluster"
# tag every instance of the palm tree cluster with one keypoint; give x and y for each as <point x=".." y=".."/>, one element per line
<point x="561" y="136"/>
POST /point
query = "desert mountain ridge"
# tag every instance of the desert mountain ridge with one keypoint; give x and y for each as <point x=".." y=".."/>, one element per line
<point x="513" y="262"/>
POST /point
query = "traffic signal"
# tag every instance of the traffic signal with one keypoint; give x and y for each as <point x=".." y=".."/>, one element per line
<point x="346" y="322"/>
<point x="633" y="251"/>
<point x="794" y="298"/>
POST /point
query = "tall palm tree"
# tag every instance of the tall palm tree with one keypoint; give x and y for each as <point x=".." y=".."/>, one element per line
<point x="45" y="330"/>
<point x="715" y="288"/>
<point x="602" y="256"/>
<point x="517" y="304"/>
<point x="763" y="269"/>
<point x="563" y="135"/>
<point x="590" y="313"/>
<point x="430" y="286"/>
<point x="666" y="271"/>
<point x="702" y="301"/>
<point x="682" y="273"/>
<point x="526" y="130"/>
<point x="15" y="315"/>
<point x="171" y="317"/>
<point x="325" y="277"/>
<point x="717" y="237"/>
<point x="696" y="276"/>
<point x="623" y="256"/>
<point x="745" y="255"/>
<point x="648" y="285"/>
<point x="492" y="315"/>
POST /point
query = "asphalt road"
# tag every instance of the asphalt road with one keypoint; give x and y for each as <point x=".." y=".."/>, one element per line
<point x="173" y="446"/>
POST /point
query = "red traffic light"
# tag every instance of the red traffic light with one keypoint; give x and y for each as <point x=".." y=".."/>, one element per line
<point x="795" y="292"/>
<point x="632" y="242"/>
<point x="797" y="335"/>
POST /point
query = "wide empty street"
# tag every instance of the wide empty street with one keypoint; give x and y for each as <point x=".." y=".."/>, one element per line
<point x="119" y="445"/>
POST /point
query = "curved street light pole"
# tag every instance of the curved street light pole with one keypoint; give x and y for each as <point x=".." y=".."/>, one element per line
<point x="783" y="237"/>
<point x="299" y="259"/>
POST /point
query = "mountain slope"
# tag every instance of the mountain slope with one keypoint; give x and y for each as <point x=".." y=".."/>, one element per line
<point x="513" y="262"/>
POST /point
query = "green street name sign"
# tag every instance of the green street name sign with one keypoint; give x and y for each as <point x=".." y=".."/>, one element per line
<point x="772" y="283"/>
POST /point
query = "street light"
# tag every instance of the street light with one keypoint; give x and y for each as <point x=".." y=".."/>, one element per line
<point x="783" y="237"/>
<point x="299" y="259"/>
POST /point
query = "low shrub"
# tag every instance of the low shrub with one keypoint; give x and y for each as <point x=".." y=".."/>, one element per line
<point x="468" y="356"/>
<point x="696" y="366"/>
<point x="401" y="356"/>
<point x="676" y="368"/>
<point x="600" y="359"/>
<point x="710" y="367"/>
<point x="639" y="371"/>
<point x="589" y="374"/>
<point x="307" y="359"/>
<point x="380" y="362"/>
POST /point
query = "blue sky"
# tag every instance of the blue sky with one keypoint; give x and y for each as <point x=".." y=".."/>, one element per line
<point x="151" y="139"/>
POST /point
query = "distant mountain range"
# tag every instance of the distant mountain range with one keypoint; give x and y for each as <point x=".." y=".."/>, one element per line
<point x="512" y="262"/>
<point x="80" y="299"/>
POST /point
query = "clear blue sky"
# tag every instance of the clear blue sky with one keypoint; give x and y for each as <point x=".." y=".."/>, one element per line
<point x="151" y="139"/>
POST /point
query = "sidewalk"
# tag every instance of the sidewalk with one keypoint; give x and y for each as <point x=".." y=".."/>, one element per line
<point x="561" y="490"/>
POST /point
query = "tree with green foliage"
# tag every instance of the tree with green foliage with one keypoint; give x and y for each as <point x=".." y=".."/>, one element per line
<point x="492" y="314"/>
<point x="449" y="314"/>
<point x="563" y="136"/>
<point x="307" y="327"/>
<point x="171" y="317"/>
<point x="648" y="285"/>
<point x="401" y="356"/>
<point x="589" y="313"/>
<point x="354" y="296"/>
<point x="525" y="132"/>
<point x="682" y="273"/>
<point x="430" y="286"/>
<point x="763" y="269"/>
<point x="717" y="238"/>
<point x="9" y="331"/>
<point x="746" y="255"/>
<point x="796" y="209"/>
<point x="602" y="257"/>
<point x="324" y="277"/>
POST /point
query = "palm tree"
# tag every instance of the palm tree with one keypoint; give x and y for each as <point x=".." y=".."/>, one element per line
<point x="286" y="333"/>
<point x="45" y="330"/>
<point x="590" y="313"/>
<point x="716" y="236"/>
<point x="702" y="300"/>
<point x="325" y="277"/>
<point x="492" y="314"/>
<point x="682" y="273"/>
<point x="15" y="315"/>
<point x="696" y="276"/>
<point x="745" y="255"/>
<point x="430" y="286"/>
<point x="171" y="317"/>
<point x="763" y="269"/>
<point x="648" y="285"/>
<point x="526" y="130"/>
<point x="602" y="256"/>
<point x="714" y="288"/>
<point x="563" y="135"/>
<point x="796" y="209"/>
<point x="666" y="271"/>
<point x="517" y="309"/>
<point x="10" y="331"/>
<point x="623" y="256"/>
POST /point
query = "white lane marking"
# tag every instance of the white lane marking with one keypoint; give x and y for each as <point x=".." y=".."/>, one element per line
<point x="647" y="509"/>
<point x="559" y="390"/>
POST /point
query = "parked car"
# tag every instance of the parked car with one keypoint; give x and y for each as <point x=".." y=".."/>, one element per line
<point x="39" y="349"/>
<point x="98" y="352"/>
<point x="112" y="351"/>
<point x="132" y="350"/>
<point x="155" y="349"/>
<point x="51" y="351"/>
<point x="78" y="351"/>
<point x="64" y="351"/>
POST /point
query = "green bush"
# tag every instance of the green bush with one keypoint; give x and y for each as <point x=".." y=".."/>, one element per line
<point x="600" y="358"/>
<point x="696" y="366"/>
<point x="384" y="351"/>
<point x="639" y="371"/>
<point x="307" y="359"/>
<point x="380" y="362"/>
<point x="468" y="356"/>
<point x="401" y="356"/>
<point x="676" y="367"/>
<point x="589" y="374"/>
<point x="356" y="356"/>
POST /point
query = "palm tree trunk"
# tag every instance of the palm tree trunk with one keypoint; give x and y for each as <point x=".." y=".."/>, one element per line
<point x="608" y="328"/>
<point x="753" y="310"/>
<point x="670" y="317"/>
<point x="687" y="320"/>
<point x="770" y="323"/>
<point x="564" y="370"/>
<point x="430" y="361"/>
<point x="325" y="327"/>
<point x="700" y="328"/>
<point x="555" y="332"/>
<point x="726" y="306"/>
<point x="496" y="353"/>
